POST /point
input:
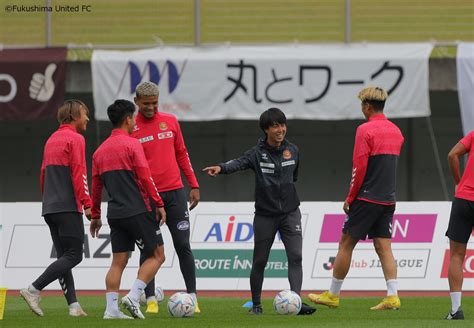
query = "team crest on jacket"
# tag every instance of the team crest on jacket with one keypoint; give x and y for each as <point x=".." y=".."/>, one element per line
<point x="286" y="154"/>
<point x="163" y="126"/>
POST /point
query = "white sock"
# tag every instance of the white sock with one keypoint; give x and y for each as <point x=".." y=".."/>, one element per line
<point x="112" y="302"/>
<point x="151" y="299"/>
<point x="138" y="288"/>
<point x="336" y="285"/>
<point x="392" y="287"/>
<point x="455" y="301"/>
<point x="33" y="290"/>
<point x="74" y="305"/>
<point x="193" y="295"/>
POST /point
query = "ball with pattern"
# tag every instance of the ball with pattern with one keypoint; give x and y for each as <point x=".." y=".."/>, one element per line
<point x="160" y="294"/>
<point x="180" y="305"/>
<point x="287" y="302"/>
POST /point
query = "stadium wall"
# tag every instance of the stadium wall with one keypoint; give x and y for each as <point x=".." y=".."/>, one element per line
<point x="326" y="147"/>
<point x="221" y="235"/>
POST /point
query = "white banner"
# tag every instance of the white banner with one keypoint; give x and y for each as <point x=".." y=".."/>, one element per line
<point x="305" y="81"/>
<point x="1" y="245"/>
<point x="465" y="73"/>
<point x="222" y="242"/>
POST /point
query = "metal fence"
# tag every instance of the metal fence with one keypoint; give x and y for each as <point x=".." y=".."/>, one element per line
<point x="138" y="23"/>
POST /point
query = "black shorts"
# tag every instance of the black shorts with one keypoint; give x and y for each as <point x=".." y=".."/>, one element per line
<point x="461" y="220"/>
<point x="177" y="214"/>
<point x="374" y="220"/>
<point x="142" y="229"/>
<point x="66" y="224"/>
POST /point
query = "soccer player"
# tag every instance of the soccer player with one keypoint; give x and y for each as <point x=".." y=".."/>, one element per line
<point x="275" y="162"/>
<point x="63" y="182"/>
<point x="163" y="143"/>
<point x="120" y="165"/>
<point x="371" y="201"/>
<point x="461" y="221"/>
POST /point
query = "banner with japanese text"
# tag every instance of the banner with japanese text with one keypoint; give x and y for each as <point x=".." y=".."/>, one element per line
<point x="465" y="74"/>
<point x="32" y="83"/>
<point x="318" y="82"/>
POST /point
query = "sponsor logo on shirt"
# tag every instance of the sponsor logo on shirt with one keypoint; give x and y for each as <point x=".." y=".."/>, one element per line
<point x="292" y="162"/>
<point x="165" y="135"/>
<point x="287" y="154"/>
<point x="267" y="171"/>
<point x="264" y="156"/>
<point x="163" y="126"/>
<point x="269" y="165"/>
<point x="183" y="225"/>
<point x="146" y="139"/>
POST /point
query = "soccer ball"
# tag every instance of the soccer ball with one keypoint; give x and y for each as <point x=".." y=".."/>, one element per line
<point x="287" y="302"/>
<point x="159" y="293"/>
<point x="181" y="305"/>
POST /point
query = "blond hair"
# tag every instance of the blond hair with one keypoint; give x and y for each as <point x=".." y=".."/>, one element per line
<point x="70" y="110"/>
<point x="147" y="89"/>
<point x="374" y="96"/>
<point x="370" y="94"/>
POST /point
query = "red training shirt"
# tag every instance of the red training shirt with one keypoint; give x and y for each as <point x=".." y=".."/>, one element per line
<point x="63" y="177"/>
<point x="465" y="189"/>
<point x="120" y="165"/>
<point x="165" y="151"/>
<point x="377" y="147"/>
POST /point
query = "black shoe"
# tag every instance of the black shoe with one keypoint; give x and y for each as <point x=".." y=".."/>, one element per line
<point x="306" y="309"/>
<point x="458" y="315"/>
<point x="256" y="310"/>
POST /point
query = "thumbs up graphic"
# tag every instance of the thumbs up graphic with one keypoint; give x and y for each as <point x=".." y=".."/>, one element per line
<point x="42" y="85"/>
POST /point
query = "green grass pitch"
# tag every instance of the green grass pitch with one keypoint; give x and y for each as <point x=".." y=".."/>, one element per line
<point x="228" y="312"/>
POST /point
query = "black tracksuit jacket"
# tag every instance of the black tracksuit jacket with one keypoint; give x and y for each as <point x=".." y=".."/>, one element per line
<point x="276" y="170"/>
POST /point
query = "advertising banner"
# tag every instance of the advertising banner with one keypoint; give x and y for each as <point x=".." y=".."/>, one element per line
<point x="32" y="83"/>
<point x="222" y="241"/>
<point x="465" y="74"/>
<point x="237" y="82"/>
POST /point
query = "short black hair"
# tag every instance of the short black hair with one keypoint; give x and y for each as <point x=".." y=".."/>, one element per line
<point x="119" y="111"/>
<point x="271" y="116"/>
<point x="376" y="104"/>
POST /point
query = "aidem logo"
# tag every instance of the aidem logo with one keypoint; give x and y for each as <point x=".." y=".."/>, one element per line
<point x="237" y="263"/>
<point x="225" y="228"/>
<point x="230" y="232"/>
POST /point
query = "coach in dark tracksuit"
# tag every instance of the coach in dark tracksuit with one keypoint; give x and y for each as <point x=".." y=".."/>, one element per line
<point x="275" y="163"/>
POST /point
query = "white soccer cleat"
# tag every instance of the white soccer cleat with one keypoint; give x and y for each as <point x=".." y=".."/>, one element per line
<point x="132" y="307"/>
<point x="118" y="315"/>
<point x="77" y="311"/>
<point x="32" y="300"/>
